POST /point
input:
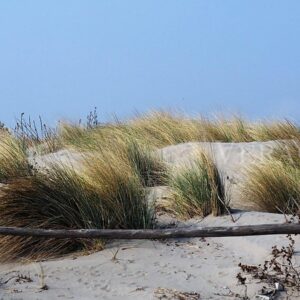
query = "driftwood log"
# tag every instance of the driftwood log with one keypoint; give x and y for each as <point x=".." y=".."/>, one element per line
<point x="266" y="229"/>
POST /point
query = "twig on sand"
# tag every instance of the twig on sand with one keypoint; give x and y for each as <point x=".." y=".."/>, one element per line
<point x="43" y="285"/>
<point x="227" y="209"/>
<point x="114" y="258"/>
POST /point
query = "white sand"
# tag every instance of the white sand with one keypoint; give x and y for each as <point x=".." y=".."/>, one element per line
<point x="206" y="266"/>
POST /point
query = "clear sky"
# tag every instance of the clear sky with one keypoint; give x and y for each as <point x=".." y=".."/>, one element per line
<point x="61" y="58"/>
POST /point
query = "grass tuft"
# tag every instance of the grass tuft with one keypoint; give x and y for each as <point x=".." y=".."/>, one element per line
<point x="122" y="190"/>
<point x="272" y="186"/>
<point x="107" y="194"/>
<point x="60" y="199"/>
<point x="198" y="190"/>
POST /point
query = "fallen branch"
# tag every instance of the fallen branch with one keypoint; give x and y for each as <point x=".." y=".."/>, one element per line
<point x="266" y="229"/>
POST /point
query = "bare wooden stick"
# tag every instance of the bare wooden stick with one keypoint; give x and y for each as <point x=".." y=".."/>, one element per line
<point x="265" y="229"/>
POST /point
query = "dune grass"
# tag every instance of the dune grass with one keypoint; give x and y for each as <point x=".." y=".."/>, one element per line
<point x="288" y="152"/>
<point x="161" y="128"/>
<point x="13" y="158"/>
<point x="147" y="165"/>
<point x="110" y="189"/>
<point x="122" y="144"/>
<point x="76" y="136"/>
<point x="102" y="196"/>
<point x="273" y="185"/>
<point x="59" y="199"/>
<point x="36" y="135"/>
<point x="276" y="130"/>
<point x="108" y="192"/>
<point x="164" y="128"/>
<point x="198" y="189"/>
<point x="121" y="187"/>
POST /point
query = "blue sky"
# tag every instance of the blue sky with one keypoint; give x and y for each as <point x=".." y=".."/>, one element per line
<point x="59" y="59"/>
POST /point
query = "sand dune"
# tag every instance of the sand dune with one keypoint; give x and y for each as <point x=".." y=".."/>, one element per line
<point x="150" y="269"/>
<point x="230" y="158"/>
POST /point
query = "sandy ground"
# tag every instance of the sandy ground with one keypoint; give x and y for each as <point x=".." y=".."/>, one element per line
<point x="157" y="269"/>
<point x="139" y="269"/>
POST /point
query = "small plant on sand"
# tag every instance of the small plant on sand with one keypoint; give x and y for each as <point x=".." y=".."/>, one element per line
<point x="198" y="190"/>
<point x="13" y="158"/>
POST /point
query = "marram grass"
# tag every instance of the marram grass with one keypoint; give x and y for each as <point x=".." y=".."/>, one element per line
<point x="146" y="164"/>
<point x="198" y="189"/>
<point x="162" y="128"/>
<point x="60" y="199"/>
<point x="273" y="185"/>
<point x="110" y="191"/>
<point x="121" y="188"/>
<point x="13" y="158"/>
<point x="104" y="195"/>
